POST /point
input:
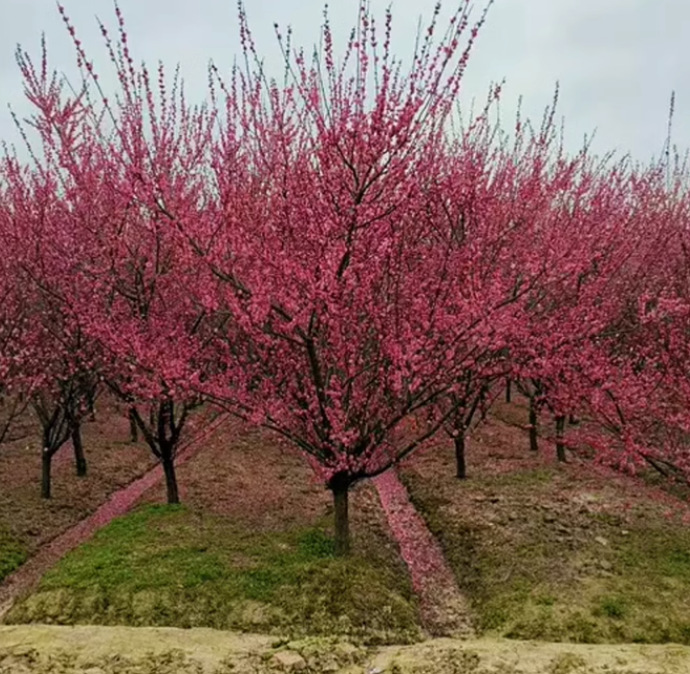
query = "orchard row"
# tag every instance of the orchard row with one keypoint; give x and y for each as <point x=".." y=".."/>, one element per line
<point x="334" y="258"/>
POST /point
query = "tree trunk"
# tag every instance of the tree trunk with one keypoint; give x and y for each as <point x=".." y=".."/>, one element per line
<point x="533" y="440"/>
<point x="340" y="491"/>
<point x="46" y="459"/>
<point x="560" y="445"/>
<point x="508" y="396"/>
<point x="460" y="465"/>
<point x="79" y="458"/>
<point x="133" y="430"/>
<point x="170" y="478"/>
<point x="573" y="420"/>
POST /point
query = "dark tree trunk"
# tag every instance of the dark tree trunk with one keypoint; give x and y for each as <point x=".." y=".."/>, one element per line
<point x="161" y="431"/>
<point x="56" y="423"/>
<point x="133" y="430"/>
<point x="508" y="392"/>
<point x="533" y="439"/>
<point x="168" y="461"/>
<point x="460" y="465"/>
<point x="79" y="458"/>
<point x="46" y="459"/>
<point x="340" y="489"/>
<point x="560" y="445"/>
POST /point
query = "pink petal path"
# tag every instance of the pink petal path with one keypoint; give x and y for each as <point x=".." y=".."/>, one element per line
<point x="444" y="610"/>
<point x="28" y="575"/>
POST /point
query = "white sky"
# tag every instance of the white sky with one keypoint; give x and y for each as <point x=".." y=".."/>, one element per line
<point x="617" y="60"/>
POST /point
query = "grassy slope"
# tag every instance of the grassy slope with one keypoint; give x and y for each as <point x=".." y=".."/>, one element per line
<point x="251" y="550"/>
<point x="542" y="552"/>
<point x="168" y="565"/>
<point x="12" y="553"/>
<point x="556" y="553"/>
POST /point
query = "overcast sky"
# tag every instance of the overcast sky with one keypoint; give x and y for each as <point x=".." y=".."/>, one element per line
<point x="617" y="60"/>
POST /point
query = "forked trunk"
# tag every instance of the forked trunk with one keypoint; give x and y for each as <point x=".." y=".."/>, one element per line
<point x="533" y="439"/>
<point x="560" y="444"/>
<point x="79" y="458"/>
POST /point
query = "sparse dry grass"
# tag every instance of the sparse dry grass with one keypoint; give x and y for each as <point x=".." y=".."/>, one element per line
<point x="554" y="552"/>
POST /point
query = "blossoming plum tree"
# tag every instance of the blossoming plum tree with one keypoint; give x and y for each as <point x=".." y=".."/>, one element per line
<point x="121" y="164"/>
<point x="351" y="308"/>
<point x="57" y="362"/>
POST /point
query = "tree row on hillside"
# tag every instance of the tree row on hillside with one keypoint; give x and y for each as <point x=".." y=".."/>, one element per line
<point x="333" y="258"/>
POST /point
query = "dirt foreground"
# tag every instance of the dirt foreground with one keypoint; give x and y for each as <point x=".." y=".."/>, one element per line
<point x="45" y="649"/>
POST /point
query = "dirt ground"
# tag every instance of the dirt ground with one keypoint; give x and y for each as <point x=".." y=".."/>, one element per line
<point x="557" y="552"/>
<point x="248" y="479"/>
<point x="112" y="463"/>
<point x="42" y="649"/>
<point x="251" y="478"/>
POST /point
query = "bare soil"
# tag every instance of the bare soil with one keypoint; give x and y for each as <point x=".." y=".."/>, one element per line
<point x="248" y="479"/>
<point x="517" y="500"/>
<point x="26" y="577"/>
<point x="43" y="649"/>
<point x="112" y="461"/>
<point x="562" y="552"/>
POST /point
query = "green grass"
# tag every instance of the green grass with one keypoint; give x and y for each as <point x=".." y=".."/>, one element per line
<point x="12" y="553"/>
<point x="167" y="565"/>
<point x="526" y="579"/>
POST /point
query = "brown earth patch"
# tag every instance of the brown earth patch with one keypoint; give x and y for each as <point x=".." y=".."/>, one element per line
<point x="573" y="552"/>
<point x="42" y="649"/>
<point x="113" y="462"/>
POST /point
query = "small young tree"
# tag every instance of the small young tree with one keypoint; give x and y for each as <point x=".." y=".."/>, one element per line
<point x="57" y="361"/>
<point x="119" y="165"/>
